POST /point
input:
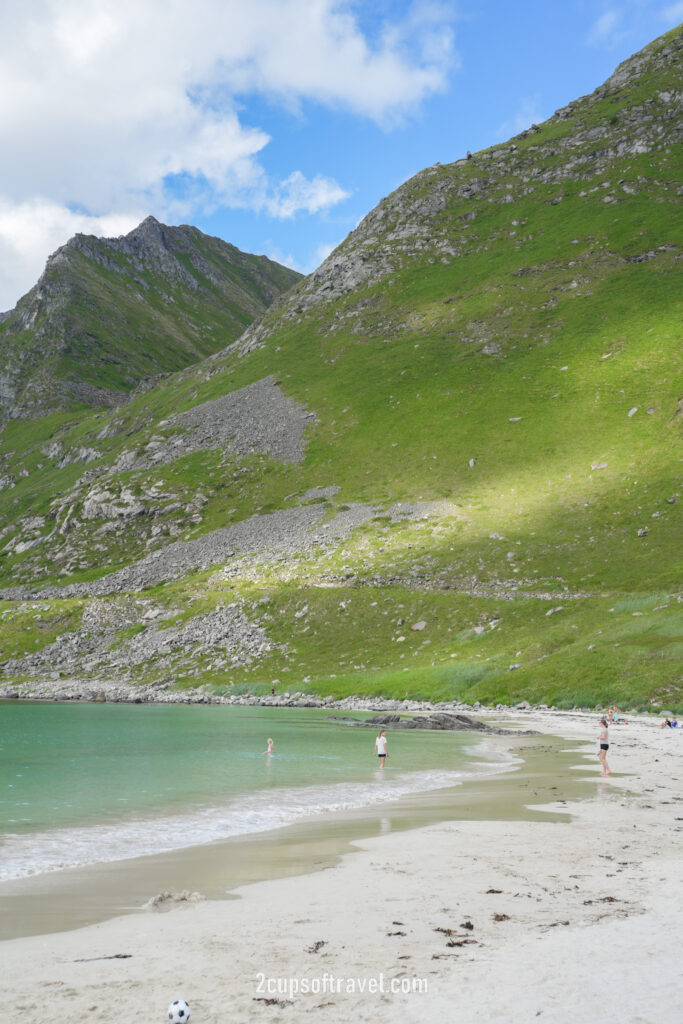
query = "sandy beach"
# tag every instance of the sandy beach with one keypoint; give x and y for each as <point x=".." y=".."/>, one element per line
<point x="471" y="920"/>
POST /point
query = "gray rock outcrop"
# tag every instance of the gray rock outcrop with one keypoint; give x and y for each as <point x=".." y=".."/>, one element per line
<point x="440" y="721"/>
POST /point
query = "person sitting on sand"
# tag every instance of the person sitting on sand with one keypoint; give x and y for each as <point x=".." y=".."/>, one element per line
<point x="604" y="747"/>
<point x="616" y="717"/>
<point x="381" y="747"/>
<point x="271" y="747"/>
<point x="667" y="722"/>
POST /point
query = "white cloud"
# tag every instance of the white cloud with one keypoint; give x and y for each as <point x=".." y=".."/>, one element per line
<point x="528" y="113"/>
<point x="624" y="23"/>
<point x="604" y="29"/>
<point x="323" y="251"/>
<point x="278" y="255"/>
<point x="297" y="193"/>
<point x="117" y="105"/>
<point x="673" y="14"/>
<point x="319" y="254"/>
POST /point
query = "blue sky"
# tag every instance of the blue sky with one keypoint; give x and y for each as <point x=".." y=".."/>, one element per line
<point x="275" y="125"/>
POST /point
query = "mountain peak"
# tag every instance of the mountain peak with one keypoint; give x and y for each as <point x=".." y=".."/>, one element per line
<point x="149" y="222"/>
<point x="149" y="228"/>
<point x="107" y="313"/>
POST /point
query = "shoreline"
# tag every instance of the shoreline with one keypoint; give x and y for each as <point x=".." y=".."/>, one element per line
<point x="278" y="808"/>
<point x="561" y="913"/>
<point x="110" y="692"/>
<point x="491" y="781"/>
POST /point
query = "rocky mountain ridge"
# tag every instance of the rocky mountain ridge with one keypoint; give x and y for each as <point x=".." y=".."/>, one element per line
<point x="107" y="313"/>
<point x="408" y="224"/>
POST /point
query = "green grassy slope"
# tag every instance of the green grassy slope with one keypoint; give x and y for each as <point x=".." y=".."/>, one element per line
<point x="510" y="350"/>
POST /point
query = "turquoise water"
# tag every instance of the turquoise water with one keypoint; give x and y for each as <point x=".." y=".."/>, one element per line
<point x="84" y="783"/>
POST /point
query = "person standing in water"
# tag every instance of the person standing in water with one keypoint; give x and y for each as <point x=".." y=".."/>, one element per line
<point x="604" y="746"/>
<point x="271" y="747"/>
<point x="381" y="747"/>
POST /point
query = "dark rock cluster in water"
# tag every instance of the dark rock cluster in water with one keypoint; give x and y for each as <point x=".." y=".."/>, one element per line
<point x="441" y="721"/>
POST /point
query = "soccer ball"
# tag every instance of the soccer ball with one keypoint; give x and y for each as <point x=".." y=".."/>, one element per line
<point x="178" y="1012"/>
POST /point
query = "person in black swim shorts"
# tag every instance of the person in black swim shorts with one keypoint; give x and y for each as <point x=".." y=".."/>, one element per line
<point x="603" y="739"/>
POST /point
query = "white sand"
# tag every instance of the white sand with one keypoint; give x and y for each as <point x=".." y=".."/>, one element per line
<point x="592" y="930"/>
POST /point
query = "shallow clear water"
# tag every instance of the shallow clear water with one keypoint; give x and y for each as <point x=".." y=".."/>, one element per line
<point x="83" y="783"/>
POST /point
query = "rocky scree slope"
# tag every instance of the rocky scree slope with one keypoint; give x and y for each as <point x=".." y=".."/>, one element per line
<point x="107" y="313"/>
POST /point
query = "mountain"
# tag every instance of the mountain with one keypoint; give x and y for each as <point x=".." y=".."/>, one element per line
<point x="445" y="465"/>
<point x="107" y="313"/>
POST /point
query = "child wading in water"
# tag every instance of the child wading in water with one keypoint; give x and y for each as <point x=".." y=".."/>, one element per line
<point x="604" y="747"/>
<point x="381" y="747"/>
<point x="271" y="747"/>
